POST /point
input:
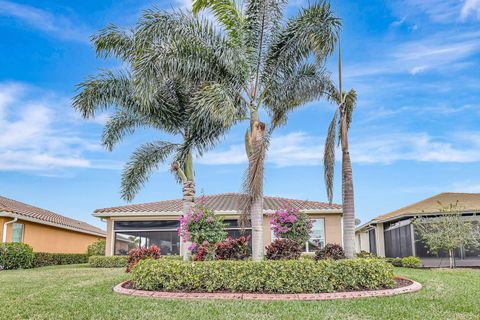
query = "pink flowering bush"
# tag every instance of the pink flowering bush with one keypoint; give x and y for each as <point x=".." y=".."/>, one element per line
<point x="291" y="224"/>
<point x="200" y="226"/>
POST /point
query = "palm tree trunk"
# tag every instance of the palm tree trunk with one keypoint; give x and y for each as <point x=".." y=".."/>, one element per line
<point x="256" y="185"/>
<point x="188" y="202"/>
<point x="348" y="200"/>
<point x="188" y="198"/>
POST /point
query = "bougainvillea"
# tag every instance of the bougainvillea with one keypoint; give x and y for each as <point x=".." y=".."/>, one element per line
<point x="291" y="224"/>
<point x="200" y="226"/>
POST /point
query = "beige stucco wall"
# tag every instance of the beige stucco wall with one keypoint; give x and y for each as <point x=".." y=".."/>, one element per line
<point x="43" y="238"/>
<point x="333" y="227"/>
<point x="362" y="241"/>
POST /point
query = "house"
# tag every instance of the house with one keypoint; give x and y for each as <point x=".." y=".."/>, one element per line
<point x="157" y="222"/>
<point x="393" y="234"/>
<point x="43" y="230"/>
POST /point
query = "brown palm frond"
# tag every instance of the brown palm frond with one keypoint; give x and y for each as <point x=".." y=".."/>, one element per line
<point x="329" y="157"/>
<point x="253" y="178"/>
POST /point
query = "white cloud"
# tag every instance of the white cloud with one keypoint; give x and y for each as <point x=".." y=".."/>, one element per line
<point x="470" y="7"/>
<point x="45" y="21"/>
<point x="36" y="134"/>
<point x="302" y="149"/>
<point x="437" y="52"/>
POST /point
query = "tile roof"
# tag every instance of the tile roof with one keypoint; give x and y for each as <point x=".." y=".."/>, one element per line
<point x="467" y="202"/>
<point x="218" y="202"/>
<point x="39" y="215"/>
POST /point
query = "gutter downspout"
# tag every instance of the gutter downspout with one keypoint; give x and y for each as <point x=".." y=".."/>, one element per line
<point x="4" y="236"/>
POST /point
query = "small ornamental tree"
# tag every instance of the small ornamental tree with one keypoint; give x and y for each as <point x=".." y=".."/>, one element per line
<point x="447" y="232"/>
<point x="201" y="226"/>
<point x="291" y="224"/>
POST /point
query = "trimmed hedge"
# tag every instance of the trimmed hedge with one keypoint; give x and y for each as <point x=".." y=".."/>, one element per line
<point x="274" y="276"/>
<point x="406" y="262"/>
<point x="97" y="248"/>
<point x="119" y="261"/>
<point x="43" y="259"/>
<point x="15" y="255"/>
<point x="108" y="262"/>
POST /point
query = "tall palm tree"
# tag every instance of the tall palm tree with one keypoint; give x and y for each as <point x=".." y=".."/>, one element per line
<point x="168" y="112"/>
<point x="338" y="129"/>
<point x="255" y="62"/>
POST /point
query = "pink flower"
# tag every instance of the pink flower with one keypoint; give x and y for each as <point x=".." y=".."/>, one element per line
<point x="192" y="246"/>
<point x="210" y="219"/>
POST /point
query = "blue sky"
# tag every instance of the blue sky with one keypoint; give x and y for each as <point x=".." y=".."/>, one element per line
<point x="414" y="63"/>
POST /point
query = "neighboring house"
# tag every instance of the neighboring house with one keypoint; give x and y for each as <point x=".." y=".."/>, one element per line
<point x="44" y="230"/>
<point x="157" y="222"/>
<point x="393" y="234"/>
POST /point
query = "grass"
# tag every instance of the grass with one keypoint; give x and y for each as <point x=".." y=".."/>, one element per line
<point x="80" y="292"/>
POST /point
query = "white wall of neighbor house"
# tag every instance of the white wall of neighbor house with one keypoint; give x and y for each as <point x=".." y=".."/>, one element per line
<point x="380" y="240"/>
<point x="362" y="241"/>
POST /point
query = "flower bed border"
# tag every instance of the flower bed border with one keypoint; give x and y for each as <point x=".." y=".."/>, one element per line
<point x="412" y="287"/>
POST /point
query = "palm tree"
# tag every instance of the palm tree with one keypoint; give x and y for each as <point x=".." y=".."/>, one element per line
<point x="168" y="111"/>
<point x="256" y="62"/>
<point x="342" y="119"/>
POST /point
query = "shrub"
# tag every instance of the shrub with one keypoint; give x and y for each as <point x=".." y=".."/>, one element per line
<point x="283" y="249"/>
<point x="43" y="259"/>
<point x="233" y="249"/>
<point x="108" y="262"/>
<point x="135" y="255"/>
<point x="406" y="262"/>
<point x="14" y="255"/>
<point x="205" y="252"/>
<point x="291" y="224"/>
<point x="200" y="226"/>
<point x="97" y="248"/>
<point x="411" y="262"/>
<point x="330" y="251"/>
<point x="365" y="254"/>
<point x="281" y="276"/>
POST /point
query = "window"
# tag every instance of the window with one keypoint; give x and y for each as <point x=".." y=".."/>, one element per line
<point x="233" y="230"/>
<point x="139" y="234"/>
<point x="17" y="232"/>
<point x="317" y="236"/>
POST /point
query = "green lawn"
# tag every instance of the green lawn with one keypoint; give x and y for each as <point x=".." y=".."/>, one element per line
<point x="79" y="292"/>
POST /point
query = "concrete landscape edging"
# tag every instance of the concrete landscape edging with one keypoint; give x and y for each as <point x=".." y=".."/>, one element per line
<point x="412" y="287"/>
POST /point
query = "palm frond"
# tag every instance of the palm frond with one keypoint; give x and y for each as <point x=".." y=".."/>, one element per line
<point x="312" y="32"/>
<point x="114" y="41"/>
<point x="143" y="161"/>
<point x="105" y="90"/>
<point x="307" y="84"/>
<point x="227" y="13"/>
<point x="122" y="123"/>
<point x="329" y="156"/>
<point x="253" y="179"/>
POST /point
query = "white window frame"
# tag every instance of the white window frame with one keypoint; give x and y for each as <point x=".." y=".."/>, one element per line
<point x="306" y="243"/>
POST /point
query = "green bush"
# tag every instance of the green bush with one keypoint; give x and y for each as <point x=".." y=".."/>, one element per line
<point x="275" y="276"/>
<point x="43" y="259"/>
<point x="14" y="255"/>
<point x="406" y="262"/>
<point x="119" y="261"/>
<point x="365" y="254"/>
<point x="108" y="262"/>
<point x="97" y="248"/>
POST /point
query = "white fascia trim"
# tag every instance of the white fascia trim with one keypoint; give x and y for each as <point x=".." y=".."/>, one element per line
<point x="20" y="217"/>
<point x="178" y="213"/>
